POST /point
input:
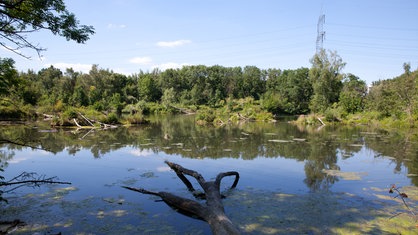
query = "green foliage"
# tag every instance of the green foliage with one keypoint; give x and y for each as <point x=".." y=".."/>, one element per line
<point x="70" y="113"/>
<point x="273" y="102"/>
<point x="111" y="118"/>
<point x="168" y="98"/>
<point x="363" y="118"/>
<point x="206" y="116"/>
<point x="116" y="103"/>
<point x="335" y="113"/>
<point x="233" y="111"/>
<point x="147" y="87"/>
<point x="326" y="80"/>
<point x="79" y="97"/>
<point x="136" y="118"/>
<point x="310" y="120"/>
<point x="8" y="76"/>
<point x="19" y="18"/>
<point x="396" y="100"/>
<point x="10" y="111"/>
<point x="320" y="89"/>
<point x="353" y="94"/>
<point x="288" y="91"/>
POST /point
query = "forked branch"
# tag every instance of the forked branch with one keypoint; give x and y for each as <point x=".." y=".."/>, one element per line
<point x="213" y="212"/>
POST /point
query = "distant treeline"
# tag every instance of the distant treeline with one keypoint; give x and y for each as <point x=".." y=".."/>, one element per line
<point x="320" y="89"/>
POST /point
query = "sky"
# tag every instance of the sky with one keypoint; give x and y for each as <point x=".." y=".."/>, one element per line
<point x="373" y="37"/>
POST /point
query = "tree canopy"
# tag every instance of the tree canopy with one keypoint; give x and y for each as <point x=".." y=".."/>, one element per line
<point x="18" y="18"/>
<point x="8" y="75"/>
<point x="326" y="79"/>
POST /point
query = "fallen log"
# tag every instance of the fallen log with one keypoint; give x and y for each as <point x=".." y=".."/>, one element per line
<point x="212" y="211"/>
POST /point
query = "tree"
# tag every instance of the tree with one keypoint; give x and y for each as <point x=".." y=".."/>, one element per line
<point x="288" y="91"/>
<point x="18" y="18"/>
<point x="396" y="98"/>
<point x="382" y="98"/>
<point x="168" y="98"/>
<point x="353" y="94"/>
<point x="326" y="77"/>
<point x="8" y="76"/>
<point x="252" y="82"/>
<point x="147" y="88"/>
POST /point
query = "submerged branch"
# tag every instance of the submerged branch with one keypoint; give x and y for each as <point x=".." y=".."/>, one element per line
<point x="212" y="212"/>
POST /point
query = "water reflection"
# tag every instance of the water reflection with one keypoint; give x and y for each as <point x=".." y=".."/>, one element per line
<point x="319" y="150"/>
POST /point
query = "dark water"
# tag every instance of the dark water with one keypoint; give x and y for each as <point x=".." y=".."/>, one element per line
<point x="280" y="165"/>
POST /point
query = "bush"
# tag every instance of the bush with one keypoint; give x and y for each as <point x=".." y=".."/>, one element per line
<point x="310" y="119"/>
<point x="111" y="118"/>
<point x="205" y="117"/>
<point x="136" y="118"/>
<point x="70" y="113"/>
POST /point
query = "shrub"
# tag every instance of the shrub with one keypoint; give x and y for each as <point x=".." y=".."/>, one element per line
<point x="111" y="118"/>
<point x="205" y="117"/>
<point x="136" y="118"/>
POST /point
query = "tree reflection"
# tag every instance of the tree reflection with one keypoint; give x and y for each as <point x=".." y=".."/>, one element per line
<point x="319" y="150"/>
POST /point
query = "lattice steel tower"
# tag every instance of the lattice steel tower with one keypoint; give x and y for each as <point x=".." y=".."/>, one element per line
<point x="321" y="33"/>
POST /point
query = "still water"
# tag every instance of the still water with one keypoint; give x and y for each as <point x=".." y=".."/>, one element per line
<point x="293" y="180"/>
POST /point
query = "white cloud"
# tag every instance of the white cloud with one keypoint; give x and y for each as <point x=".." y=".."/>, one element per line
<point x="17" y="160"/>
<point x="141" y="60"/>
<point x="173" y="43"/>
<point x="169" y="65"/>
<point x="116" y="26"/>
<point x="85" y="68"/>
<point x="141" y="153"/>
<point x="163" y="168"/>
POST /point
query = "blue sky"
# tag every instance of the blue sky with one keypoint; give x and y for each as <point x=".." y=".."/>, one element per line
<point x="374" y="37"/>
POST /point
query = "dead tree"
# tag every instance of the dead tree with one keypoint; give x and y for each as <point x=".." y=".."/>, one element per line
<point x="212" y="212"/>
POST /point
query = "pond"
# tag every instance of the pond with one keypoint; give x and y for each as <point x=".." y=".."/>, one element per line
<point x="293" y="180"/>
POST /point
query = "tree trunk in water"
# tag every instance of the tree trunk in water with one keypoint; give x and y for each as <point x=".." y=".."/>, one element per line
<point x="212" y="212"/>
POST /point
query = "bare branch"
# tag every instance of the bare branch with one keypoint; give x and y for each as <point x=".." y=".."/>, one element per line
<point x="177" y="168"/>
<point x="213" y="212"/>
<point x="229" y="173"/>
<point x="29" y="179"/>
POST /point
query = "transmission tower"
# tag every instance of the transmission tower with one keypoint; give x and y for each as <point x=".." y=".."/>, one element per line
<point x="321" y="33"/>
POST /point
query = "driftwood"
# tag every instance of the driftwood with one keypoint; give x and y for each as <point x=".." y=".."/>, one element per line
<point x="90" y="122"/>
<point x="212" y="212"/>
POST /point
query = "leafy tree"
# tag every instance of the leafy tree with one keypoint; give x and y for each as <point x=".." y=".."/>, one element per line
<point x="407" y="91"/>
<point x="382" y="98"/>
<point x="252" y="83"/>
<point x="299" y="91"/>
<point x="116" y="103"/>
<point x="170" y="78"/>
<point x="8" y="76"/>
<point x="353" y="94"/>
<point x="79" y="97"/>
<point x="288" y="91"/>
<point x="397" y="97"/>
<point x="168" y="98"/>
<point x="326" y="77"/>
<point x="18" y="18"/>
<point x="67" y="85"/>
<point x="147" y="88"/>
<point x="49" y="77"/>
